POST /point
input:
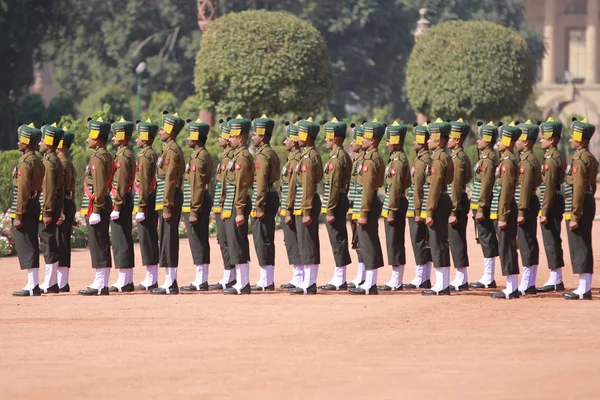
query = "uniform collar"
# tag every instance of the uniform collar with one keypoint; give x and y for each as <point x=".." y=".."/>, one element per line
<point x="422" y="152"/>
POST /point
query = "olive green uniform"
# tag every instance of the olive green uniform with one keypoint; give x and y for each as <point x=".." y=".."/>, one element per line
<point x="171" y="167"/>
<point x="27" y="184"/>
<point x="336" y="178"/>
<point x="219" y="187"/>
<point x="530" y="177"/>
<point x="145" y="186"/>
<point x="265" y="200"/>
<point x="439" y="206"/>
<point x="553" y="206"/>
<point x="417" y="197"/>
<point x="199" y="173"/>
<point x="122" y="197"/>
<point x="353" y="192"/>
<point x="288" y="194"/>
<point x="65" y="230"/>
<point x="395" y="205"/>
<point x="481" y="201"/>
<point x="457" y="234"/>
<point x="51" y="205"/>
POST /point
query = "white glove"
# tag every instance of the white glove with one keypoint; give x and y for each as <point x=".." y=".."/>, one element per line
<point x="94" y="219"/>
<point x="139" y="217"/>
<point x="115" y="215"/>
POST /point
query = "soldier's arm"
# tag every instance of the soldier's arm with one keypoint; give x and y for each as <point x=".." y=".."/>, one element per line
<point x="368" y="178"/>
<point x="437" y="181"/>
<point x="171" y="162"/>
<point x="487" y="183"/>
<point x="99" y="177"/>
<point x="24" y="178"/>
<point x="579" y="184"/>
<point x="526" y="187"/>
<point x="506" y="195"/>
<point x="420" y="178"/>
<point x="261" y="177"/>
<point x="289" y="206"/>
<point x="49" y="190"/>
<point x="395" y="188"/>
<point x="458" y="183"/>
<point x="244" y="175"/>
<point x="121" y="177"/>
<point x="196" y="177"/>
<point x="144" y="179"/>
<point x="335" y="183"/>
<point x="308" y="185"/>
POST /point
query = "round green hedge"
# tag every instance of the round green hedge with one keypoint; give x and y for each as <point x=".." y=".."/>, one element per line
<point x="469" y="69"/>
<point x="262" y="61"/>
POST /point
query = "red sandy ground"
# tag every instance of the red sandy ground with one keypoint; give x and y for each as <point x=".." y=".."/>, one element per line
<point x="275" y="345"/>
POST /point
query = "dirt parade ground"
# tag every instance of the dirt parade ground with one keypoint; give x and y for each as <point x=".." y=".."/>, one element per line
<point x="275" y="345"/>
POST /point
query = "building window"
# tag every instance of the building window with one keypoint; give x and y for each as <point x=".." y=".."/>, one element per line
<point x="577" y="7"/>
<point x="576" y="55"/>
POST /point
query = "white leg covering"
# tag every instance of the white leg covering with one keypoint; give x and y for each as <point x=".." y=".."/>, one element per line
<point x="62" y="276"/>
<point x="442" y="278"/>
<point x="427" y="271"/>
<point x="397" y="275"/>
<point x="122" y="279"/>
<point x="511" y="284"/>
<point x="50" y="276"/>
<point x="555" y="277"/>
<point x="419" y="275"/>
<point x="314" y="272"/>
<point x="298" y="278"/>
<point x="360" y="274"/>
<point x="33" y="278"/>
<point x="461" y="277"/>
<point x="245" y="274"/>
<point x="270" y="275"/>
<point x="98" y="279"/>
<point x="238" y="277"/>
<point x="339" y="277"/>
<point x="105" y="276"/>
<point x="262" y="281"/>
<point x="533" y="276"/>
<point x="585" y="284"/>
<point x="201" y="274"/>
<point x="204" y="273"/>
<point x="170" y="277"/>
<point x="370" y="279"/>
<point x="525" y="279"/>
<point x="152" y="274"/>
<point x="489" y="271"/>
<point x="228" y="276"/>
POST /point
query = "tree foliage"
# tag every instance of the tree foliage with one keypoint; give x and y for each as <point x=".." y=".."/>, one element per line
<point x="274" y="64"/>
<point x="448" y="76"/>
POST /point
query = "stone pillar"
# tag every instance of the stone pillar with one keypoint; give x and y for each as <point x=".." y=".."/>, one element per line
<point x="591" y="45"/>
<point x="207" y="12"/>
<point x="548" y="74"/>
<point x="423" y="25"/>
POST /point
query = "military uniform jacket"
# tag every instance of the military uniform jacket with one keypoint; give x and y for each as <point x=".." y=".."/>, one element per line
<point x="530" y="177"/>
<point x="52" y="184"/>
<point x="485" y="170"/>
<point x="266" y="173"/>
<point x="553" y="175"/>
<point x="309" y="173"/>
<point x="240" y="174"/>
<point x="370" y="177"/>
<point x="198" y="175"/>
<point x="397" y="180"/>
<point x="353" y="196"/>
<point x="98" y="178"/>
<point x="336" y="177"/>
<point x="288" y="182"/>
<point x="27" y="182"/>
<point x="441" y="174"/>
<point x="462" y="175"/>
<point x="419" y="174"/>
<point x="70" y="176"/>
<point x="506" y="178"/>
<point x="145" y="176"/>
<point x="124" y="176"/>
<point x="221" y="171"/>
<point x="582" y="176"/>
<point x="171" y="167"/>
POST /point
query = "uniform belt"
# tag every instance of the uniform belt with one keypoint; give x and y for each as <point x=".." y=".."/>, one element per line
<point x="444" y="191"/>
<point x="343" y="191"/>
<point x="271" y="189"/>
<point x="68" y="197"/>
<point x="588" y="189"/>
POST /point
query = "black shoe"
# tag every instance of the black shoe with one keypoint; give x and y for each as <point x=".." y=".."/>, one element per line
<point x="125" y="289"/>
<point x="258" y="288"/>
<point x="94" y="292"/>
<point x="193" y="288"/>
<point x="288" y="286"/>
<point x="573" y="296"/>
<point x="218" y="286"/>
<point x="530" y="290"/>
<point x="27" y="293"/>
<point x="501" y="295"/>
<point x="360" y="290"/>
<point x="51" y="289"/>
<point x="461" y="288"/>
<point x="352" y="285"/>
<point x="173" y="289"/>
<point x="146" y="289"/>
<point x="387" y="288"/>
<point x="424" y="285"/>
<point x="552" y="288"/>
<point x="64" y="289"/>
<point x="333" y="288"/>
<point x="312" y="289"/>
<point x="231" y="290"/>
<point x="479" y="285"/>
<point x="431" y="292"/>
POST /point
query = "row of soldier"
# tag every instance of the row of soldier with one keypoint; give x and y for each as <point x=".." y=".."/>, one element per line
<point x="431" y="196"/>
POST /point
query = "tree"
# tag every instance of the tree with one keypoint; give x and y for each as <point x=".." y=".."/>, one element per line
<point x="276" y="63"/>
<point x="448" y="76"/>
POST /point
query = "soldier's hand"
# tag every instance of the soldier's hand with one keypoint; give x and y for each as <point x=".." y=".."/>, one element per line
<point x="391" y="221"/>
<point x="61" y="219"/>
<point x="362" y="221"/>
<point x="330" y="219"/>
<point x="479" y="217"/>
<point x="543" y="220"/>
<point x="501" y="225"/>
<point x="115" y="215"/>
<point x="573" y="225"/>
<point x="47" y="220"/>
<point x="429" y="221"/>
<point x="17" y="223"/>
<point x="140" y="216"/>
<point x="193" y="220"/>
<point x="306" y="221"/>
<point x="520" y="220"/>
<point x="239" y="220"/>
<point x="95" y="218"/>
<point x="452" y="220"/>
<point x="260" y="215"/>
<point x="418" y="219"/>
<point x="288" y="220"/>
<point x="166" y="214"/>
